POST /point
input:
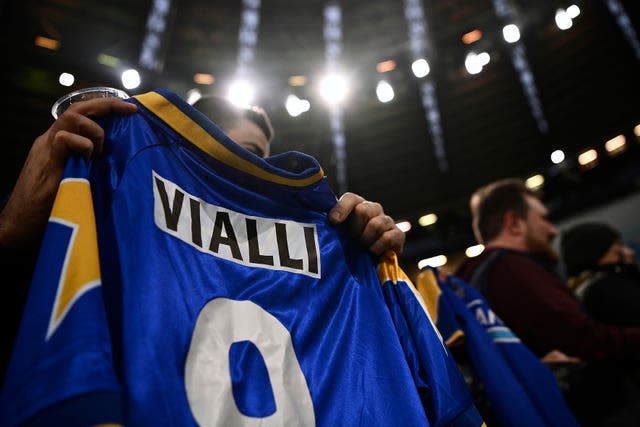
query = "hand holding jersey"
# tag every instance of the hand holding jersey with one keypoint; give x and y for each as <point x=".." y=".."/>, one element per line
<point x="24" y="217"/>
<point x="368" y="223"/>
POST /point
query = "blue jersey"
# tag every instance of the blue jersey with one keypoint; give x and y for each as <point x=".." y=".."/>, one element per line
<point x="211" y="289"/>
<point x="521" y="390"/>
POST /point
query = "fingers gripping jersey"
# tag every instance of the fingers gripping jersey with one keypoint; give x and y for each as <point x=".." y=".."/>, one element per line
<point x="221" y="295"/>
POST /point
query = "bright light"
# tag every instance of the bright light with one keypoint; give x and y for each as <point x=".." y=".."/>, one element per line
<point x="428" y="219"/>
<point x="193" y="95"/>
<point x="615" y="145"/>
<point x="130" y="79"/>
<point x="66" y="79"/>
<point x="108" y="60"/>
<point x="296" y="106"/>
<point x="588" y="157"/>
<point x="557" y="156"/>
<point x="472" y="36"/>
<point x="534" y="182"/>
<point x="240" y="93"/>
<point x="384" y="91"/>
<point x="473" y="251"/>
<point x="386" y="66"/>
<point x="472" y="63"/>
<point x="511" y="33"/>
<point x="636" y="130"/>
<point x="47" y="43"/>
<point x="333" y="89"/>
<point x="420" y="68"/>
<point x="204" y="78"/>
<point x="484" y="58"/>
<point x="573" y="11"/>
<point x="297" y="80"/>
<point x="435" y="261"/>
<point x="563" y="20"/>
<point x="404" y="226"/>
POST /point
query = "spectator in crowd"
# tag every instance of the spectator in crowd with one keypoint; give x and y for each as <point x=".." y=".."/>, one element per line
<point x="516" y="274"/>
<point x="603" y="272"/>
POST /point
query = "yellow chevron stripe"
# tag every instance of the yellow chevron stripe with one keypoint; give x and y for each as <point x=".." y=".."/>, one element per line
<point x="73" y="207"/>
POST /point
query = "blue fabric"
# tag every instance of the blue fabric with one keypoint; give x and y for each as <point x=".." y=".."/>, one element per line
<point x="223" y="294"/>
<point x="82" y="411"/>
<point x="521" y="389"/>
<point x="442" y="388"/>
<point x="250" y="380"/>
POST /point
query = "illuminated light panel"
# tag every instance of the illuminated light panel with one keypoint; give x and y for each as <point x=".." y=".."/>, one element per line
<point x="47" y="43"/>
<point x="296" y="106"/>
<point x="384" y="91"/>
<point x="241" y="93"/>
<point x="475" y="62"/>
<point x="473" y="251"/>
<point x="247" y="36"/>
<point x="335" y="88"/>
<point x="203" y="78"/>
<point x="386" y="66"/>
<point x="534" y="182"/>
<point x="511" y="33"/>
<point x="130" y="78"/>
<point x="426" y="220"/>
<point x="108" y="60"/>
<point x="193" y="95"/>
<point x="616" y="145"/>
<point x="472" y="36"/>
<point x="404" y="226"/>
<point x="420" y="68"/>
<point x="588" y="158"/>
<point x="573" y="11"/>
<point x="297" y="81"/>
<point x="563" y="20"/>
<point x="151" y="51"/>
<point x="418" y="33"/>
<point x="557" y="157"/>
<point x="636" y="130"/>
<point x="624" y="22"/>
<point x="504" y="12"/>
<point x="434" y="261"/>
<point x="66" y="79"/>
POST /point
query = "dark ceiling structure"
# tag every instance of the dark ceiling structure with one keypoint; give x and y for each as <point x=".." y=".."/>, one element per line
<point x="586" y="78"/>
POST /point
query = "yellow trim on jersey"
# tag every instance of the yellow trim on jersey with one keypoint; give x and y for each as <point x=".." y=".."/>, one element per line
<point x="194" y="133"/>
<point x="427" y="286"/>
<point x="388" y="269"/>
<point x="455" y="338"/>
